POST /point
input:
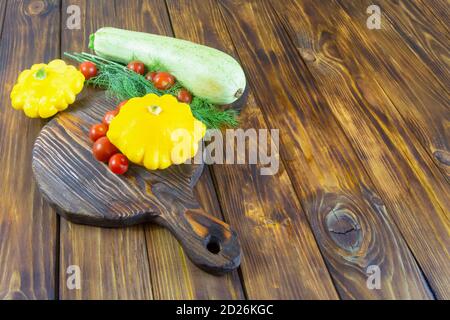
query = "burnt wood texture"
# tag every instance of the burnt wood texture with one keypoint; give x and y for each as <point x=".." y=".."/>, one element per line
<point x="109" y="259"/>
<point x="265" y="205"/>
<point x="151" y="259"/>
<point x="28" y="225"/>
<point x="363" y="177"/>
<point x="352" y="223"/>
<point x="388" y="148"/>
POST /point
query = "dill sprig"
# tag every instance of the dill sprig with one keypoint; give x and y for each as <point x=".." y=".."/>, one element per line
<point x="122" y="84"/>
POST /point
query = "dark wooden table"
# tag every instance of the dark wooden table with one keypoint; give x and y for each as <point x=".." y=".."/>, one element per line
<point x="364" y="124"/>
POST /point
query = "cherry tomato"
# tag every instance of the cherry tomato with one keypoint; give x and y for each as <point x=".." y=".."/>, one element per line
<point x="103" y="149"/>
<point x="109" y="116"/>
<point x="184" y="96"/>
<point x="150" y="75"/>
<point x="163" y="80"/>
<point x="118" y="163"/>
<point x="120" y="105"/>
<point x="88" y="69"/>
<point x="97" y="131"/>
<point x="136" y="66"/>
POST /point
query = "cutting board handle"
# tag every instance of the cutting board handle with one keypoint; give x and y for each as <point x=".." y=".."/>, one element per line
<point x="210" y="243"/>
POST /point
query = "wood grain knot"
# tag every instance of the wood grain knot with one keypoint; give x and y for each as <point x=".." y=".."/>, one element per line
<point x="344" y="229"/>
<point x="35" y="8"/>
<point x="442" y="156"/>
<point x="329" y="49"/>
<point x="308" y="55"/>
<point x="340" y="222"/>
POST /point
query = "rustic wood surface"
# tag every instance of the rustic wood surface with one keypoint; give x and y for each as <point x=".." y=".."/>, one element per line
<point x="387" y="147"/>
<point x="28" y="226"/>
<point x="364" y="155"/>
<point x="273" y="215"/>
<point x="110" y="258"/>
<point x="345" y="211"/>
<point x="172" y="276"/>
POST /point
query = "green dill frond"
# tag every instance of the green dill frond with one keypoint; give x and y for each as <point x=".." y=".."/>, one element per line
<point x="212" y="116"/>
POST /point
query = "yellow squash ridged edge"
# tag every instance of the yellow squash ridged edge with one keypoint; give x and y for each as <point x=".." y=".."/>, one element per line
<point x="46" y="89"/>
<point x="156" y="132"/>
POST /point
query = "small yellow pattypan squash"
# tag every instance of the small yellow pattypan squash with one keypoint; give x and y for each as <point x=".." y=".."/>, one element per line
<point x="156" y="132"/>
<point x="44" y="90"/>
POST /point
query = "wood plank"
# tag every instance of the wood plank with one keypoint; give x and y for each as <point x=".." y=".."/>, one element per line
<point x="113" y="262"/>
<point x="400" y="168"/>
<point x="423" y="34"/>
<point x="351" y="223"/>
<point x="439" y="8"/>
<point x="28" y="228"/>
<point x="419" y="97"/>
<point x="280" y="257"/>
<point x="173" y="275"/>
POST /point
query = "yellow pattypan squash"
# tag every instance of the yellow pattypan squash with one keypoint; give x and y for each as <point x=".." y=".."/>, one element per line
<point x="156" y="132"/>
<point x="44" y="90"/>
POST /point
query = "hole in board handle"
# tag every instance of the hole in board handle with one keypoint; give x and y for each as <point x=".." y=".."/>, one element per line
<point x="213" y="245"/>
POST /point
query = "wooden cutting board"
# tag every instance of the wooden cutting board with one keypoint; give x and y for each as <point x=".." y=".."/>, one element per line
<point x="84" y="190"/>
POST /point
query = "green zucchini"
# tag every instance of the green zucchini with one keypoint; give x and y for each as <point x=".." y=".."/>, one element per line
<point x="206" y="72"/>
